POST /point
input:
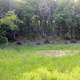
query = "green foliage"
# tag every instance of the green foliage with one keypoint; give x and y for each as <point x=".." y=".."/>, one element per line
<point x="8" y="22"/>
<point x="28" y="7"/>
<point x="9" y="19"/>
<point x="44" y="17"/>
<point x="3" y="40"/>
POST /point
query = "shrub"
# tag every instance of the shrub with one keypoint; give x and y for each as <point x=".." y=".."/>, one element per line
<point x="3" y="40"/>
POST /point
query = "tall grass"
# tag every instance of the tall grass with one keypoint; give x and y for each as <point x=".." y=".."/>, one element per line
<point x="22" y="63"/>
<point x="45" y="74"/>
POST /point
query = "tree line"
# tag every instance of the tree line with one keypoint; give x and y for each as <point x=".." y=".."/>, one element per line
<point x="40" y="19"/>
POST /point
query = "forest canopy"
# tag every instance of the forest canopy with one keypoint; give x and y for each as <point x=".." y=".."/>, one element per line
<point x="40" y="19"/>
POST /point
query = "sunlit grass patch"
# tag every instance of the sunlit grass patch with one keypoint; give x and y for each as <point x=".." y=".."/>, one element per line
<point x="45" y="74"/>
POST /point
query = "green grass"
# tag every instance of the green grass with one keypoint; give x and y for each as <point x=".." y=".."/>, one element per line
<point x="22" y="63"/>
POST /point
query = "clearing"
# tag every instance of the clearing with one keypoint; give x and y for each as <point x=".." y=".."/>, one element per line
<point x="40" y="62"/>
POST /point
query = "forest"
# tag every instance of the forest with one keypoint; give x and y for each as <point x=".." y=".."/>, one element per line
<point x="47" y="20"/>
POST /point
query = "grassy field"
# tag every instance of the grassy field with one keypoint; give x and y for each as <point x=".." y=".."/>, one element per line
<point x="23" y="63"/>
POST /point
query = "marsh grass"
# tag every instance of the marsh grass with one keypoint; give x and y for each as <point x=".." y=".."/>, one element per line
<point x="22" y="63"/>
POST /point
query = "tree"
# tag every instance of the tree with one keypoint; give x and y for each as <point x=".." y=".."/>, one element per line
<point x="9" y="22"/>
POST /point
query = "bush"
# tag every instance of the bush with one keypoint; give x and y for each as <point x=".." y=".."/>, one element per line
<point x="46" y="41"/>
<point x="73" y="41"/>
<point x="3" y="40"/>
<point x="19" y="43"/>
